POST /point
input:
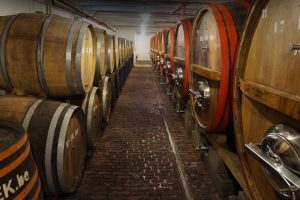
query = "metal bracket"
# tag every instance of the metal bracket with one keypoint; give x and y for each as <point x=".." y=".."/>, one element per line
<point x="178" y="76"/>
<point x="203" y="150"/>
<point x="174" y="76"/>
<point x="202" y="96"/>
<point x="294" y="47"/>
<point x="180" y="111"/>
<point x="271" y="162"/>
<point x="204" y="47"/>
<point x="178" y="107"/>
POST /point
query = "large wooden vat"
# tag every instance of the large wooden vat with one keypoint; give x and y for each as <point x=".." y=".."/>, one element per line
<point x="162" y="54"/>
<point x="57" y="136"/>
<point x="158" y="50"/>
<point x="212" y="57"/>
<point x="169" y="70"/>
<point x="101" y="54"/>
<point x="46" y="54"/>
<point x="18" y="171"/>
<point x="266" y="95"/>
<point x="151" y="49"/>
<point x="181" y="58"/>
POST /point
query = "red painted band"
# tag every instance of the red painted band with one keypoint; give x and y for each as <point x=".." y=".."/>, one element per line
<point x="225" y="62"/>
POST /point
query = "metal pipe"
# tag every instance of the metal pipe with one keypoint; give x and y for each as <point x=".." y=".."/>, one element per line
<point x="164" y="14"/>
<point x="49" y="6"/>
<point x="72" y="9"/>
<point x="176" y="9"/>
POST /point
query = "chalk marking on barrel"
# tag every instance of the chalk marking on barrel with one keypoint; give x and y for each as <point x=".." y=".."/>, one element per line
<point x="61" y="149"/>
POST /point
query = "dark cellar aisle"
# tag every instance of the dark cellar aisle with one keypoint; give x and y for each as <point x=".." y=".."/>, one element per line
<point x="145" y="152"/>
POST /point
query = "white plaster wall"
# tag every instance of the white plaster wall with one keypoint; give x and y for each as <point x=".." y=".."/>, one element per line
<point x="125" y="33"/>
<point x="142" y="46"/>
<point x="141" y="43"/>
<point x="10" y="7"/>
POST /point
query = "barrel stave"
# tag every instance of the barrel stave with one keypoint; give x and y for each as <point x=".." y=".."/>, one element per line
<point x="21" y="52"/>
<point x="57" y="48"/>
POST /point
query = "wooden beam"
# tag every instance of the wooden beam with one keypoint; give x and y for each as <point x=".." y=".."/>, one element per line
<point x="179" y="60"/>
<point x="282" y="101"/>
<point x="231" y="160"/>
<point x="206" y="72"/>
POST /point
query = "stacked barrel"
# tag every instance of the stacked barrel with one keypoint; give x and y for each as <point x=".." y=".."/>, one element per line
<point x="57" y="74"/>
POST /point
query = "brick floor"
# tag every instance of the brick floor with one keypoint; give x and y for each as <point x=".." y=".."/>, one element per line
<point x="134" y="159"/>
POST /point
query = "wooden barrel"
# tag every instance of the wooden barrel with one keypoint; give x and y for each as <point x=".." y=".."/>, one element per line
<point x="131" y="48"/>
<point x="91" y="107"/>
<point x="120" y="79"/>
<point x="267" y="96"/>
<point x="46" y="54"/>
<point x="169" y="70"/>
<point x="57" y="136"/>
<point x="118" y="83"/>
<point x="114" y="91"/>
<point x="117" y="54"/>
<point x="120" y="42"/>
<point x="123" y="50"/>
<point x="181" y="58"/>
<point x="126" y="49"/>
<point x="213" y="50"/>
<point x="101" y="53"/>
<point x="110" y="58"/>
<point x="19" y="175"/>
<point x="106" y="99"/>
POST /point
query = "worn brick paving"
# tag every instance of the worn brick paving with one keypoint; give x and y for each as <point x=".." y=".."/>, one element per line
<point x="134" y="158"/>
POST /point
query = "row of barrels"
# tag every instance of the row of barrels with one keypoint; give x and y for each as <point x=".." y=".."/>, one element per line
<point x="236" y="64"/>
<point x="60" y="57"/>
<point x="61" y="79"/>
